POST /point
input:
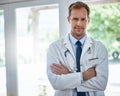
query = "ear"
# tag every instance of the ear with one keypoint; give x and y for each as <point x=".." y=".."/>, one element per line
<point x="88" y="20"/>
<point x="68" y="18"/>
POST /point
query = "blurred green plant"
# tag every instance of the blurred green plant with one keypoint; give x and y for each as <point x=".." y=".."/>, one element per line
<point x="105" y="25"/>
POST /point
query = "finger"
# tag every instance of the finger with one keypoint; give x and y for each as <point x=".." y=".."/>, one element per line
<point x="56" y="65"/>
<point x="55" y="69"/>
<point x="62" y="66"/>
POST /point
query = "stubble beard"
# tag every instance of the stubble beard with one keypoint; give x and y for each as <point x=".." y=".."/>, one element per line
<point x="79" y="33"/>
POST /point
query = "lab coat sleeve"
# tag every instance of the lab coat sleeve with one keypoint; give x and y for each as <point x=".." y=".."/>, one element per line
<point x="99" y="82"/>
<point x="60" y="82"/>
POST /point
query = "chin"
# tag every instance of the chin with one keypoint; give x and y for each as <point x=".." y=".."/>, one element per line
<point x="80" y="33"/>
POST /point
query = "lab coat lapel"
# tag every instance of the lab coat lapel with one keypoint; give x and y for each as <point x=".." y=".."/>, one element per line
<point x="88" y="43"/>
<point x="70" y="57"/>
<point x="68" y="46"/>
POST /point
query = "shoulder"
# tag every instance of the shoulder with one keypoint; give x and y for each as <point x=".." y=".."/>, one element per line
<point x="56" y="44"/>
<point x="98" y="44"/>
<point x="60" y="42"/>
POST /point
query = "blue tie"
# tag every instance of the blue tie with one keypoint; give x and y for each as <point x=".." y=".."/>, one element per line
<point x="78" y="55"/>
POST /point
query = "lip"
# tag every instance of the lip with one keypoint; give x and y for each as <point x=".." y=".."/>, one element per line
<point x="79" y="28"/>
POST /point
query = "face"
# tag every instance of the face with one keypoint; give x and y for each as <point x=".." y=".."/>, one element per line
<point x="78" y="21"/>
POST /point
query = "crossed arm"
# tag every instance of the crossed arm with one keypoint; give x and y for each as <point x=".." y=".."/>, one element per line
<point x="61" y="69"/>
<point x="61" y="78"/>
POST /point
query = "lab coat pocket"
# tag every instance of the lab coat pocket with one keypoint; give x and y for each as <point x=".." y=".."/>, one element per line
<point x="92" y="62"/>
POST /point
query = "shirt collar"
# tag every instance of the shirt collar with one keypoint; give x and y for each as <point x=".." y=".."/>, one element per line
<point x="74" y="40"/>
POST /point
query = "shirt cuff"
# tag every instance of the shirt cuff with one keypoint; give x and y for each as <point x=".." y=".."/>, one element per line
<point x="81" y="76"/>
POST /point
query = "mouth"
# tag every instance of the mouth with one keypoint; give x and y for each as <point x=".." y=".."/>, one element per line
<point x="79" y="28"/>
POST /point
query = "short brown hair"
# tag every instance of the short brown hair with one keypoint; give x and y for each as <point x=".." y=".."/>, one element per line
<point x="78" y="5"/>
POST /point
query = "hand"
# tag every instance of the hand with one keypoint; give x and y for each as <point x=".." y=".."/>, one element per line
<point x="88" y="74"/>
<point x="59" y="69"/>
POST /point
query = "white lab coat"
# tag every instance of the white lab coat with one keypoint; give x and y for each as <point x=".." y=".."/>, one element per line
<point x="93" y="54"/>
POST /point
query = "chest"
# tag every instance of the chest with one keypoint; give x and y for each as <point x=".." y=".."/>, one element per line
<point x="89" y="58"/>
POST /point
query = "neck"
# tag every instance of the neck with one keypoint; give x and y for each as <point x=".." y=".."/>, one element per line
<point x="78" y="37"/>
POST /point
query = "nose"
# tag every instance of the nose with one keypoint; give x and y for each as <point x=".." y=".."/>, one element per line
<point x="79" y="23"/>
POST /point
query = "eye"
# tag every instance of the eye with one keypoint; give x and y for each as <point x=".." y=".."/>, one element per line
<point x="75" y="19"/>
<point x="83" y="19"/>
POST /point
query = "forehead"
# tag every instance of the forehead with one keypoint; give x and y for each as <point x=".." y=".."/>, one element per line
<point x="82" y="12"/>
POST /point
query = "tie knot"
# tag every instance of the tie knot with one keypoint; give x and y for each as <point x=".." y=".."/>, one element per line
<point x="78" y="43"/>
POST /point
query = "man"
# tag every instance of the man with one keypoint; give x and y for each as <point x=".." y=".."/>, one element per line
<point x="78" y="69"/>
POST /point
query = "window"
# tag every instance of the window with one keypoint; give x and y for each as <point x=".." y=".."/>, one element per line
<point x="2" y="56"/>
<point x="35" y="31"/>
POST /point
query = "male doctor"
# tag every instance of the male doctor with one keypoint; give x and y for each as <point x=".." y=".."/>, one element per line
<point x="78" y="69"/>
